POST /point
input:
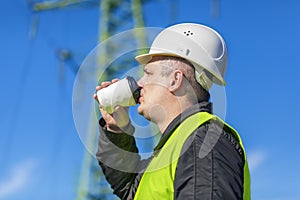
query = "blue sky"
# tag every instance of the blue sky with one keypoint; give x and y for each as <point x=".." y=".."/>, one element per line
<point x="41" y="153"/>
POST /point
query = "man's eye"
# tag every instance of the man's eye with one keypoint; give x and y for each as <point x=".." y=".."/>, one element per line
<point x="147" y="72"/>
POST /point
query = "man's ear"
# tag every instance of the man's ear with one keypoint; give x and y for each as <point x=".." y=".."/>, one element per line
<point x="176" y="80"/>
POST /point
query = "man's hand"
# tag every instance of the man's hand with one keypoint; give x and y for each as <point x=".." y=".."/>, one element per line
<point x="118" y="121"/>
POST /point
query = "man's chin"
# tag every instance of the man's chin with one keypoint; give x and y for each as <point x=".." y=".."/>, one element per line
<point x="141" y="110"/>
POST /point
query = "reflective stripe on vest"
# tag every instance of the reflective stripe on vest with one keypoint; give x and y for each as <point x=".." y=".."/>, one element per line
<point x="158" y="180"/>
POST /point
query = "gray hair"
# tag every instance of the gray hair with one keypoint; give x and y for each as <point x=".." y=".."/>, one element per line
<point x="170" y="63"/>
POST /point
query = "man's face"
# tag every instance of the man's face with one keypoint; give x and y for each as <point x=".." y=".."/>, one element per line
<point x="154" y="90"/>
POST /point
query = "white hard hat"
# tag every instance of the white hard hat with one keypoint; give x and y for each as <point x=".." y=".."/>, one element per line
<point x="199" y="44"/>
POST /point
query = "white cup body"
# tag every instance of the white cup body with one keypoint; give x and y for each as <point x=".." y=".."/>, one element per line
<point x="116" y="94"/>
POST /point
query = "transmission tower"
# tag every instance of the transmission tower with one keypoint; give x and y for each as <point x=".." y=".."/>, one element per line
<point x="114" y="14"/>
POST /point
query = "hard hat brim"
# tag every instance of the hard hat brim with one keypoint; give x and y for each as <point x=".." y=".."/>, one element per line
<point x="145" y="58"/>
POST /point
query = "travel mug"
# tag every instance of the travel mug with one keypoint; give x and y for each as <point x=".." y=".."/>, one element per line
<point x="124" y="93"/>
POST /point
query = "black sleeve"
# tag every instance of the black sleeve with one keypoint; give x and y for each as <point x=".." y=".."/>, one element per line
<point x="120" y="162"/>
<point x="118" y="157"/>
<point x="210" y="166"/>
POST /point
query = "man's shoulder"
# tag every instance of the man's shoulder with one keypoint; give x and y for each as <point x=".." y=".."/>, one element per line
<point x="216" y="135"/>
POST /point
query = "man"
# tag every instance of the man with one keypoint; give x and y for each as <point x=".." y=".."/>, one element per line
<point x="198" y="156"/>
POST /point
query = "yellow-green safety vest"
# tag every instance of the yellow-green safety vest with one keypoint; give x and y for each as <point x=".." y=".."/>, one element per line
<point x="157" y="182"/>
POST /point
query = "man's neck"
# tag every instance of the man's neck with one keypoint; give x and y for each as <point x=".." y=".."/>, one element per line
<point x="171" y="112"/>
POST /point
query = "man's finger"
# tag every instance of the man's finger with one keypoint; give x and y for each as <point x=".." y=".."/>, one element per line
<point x="114" y="80"/>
